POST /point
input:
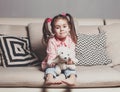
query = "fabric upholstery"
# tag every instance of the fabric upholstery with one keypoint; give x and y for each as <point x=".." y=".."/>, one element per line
<point x="20" y="21"/>
<point x="21" y="77"/>
<point x="113" y="42"/>
<point x="84" y="29"/>
<point x="14" y="79"/>
<point x="89" y="22"/>
<point x="14" y="30"/>
<point x="97" y="76"/>
<point x="37" y="44"/>
<point x="111" y="21"/>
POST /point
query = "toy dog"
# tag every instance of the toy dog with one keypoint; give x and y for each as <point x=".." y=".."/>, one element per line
<point x="63" y="56"/>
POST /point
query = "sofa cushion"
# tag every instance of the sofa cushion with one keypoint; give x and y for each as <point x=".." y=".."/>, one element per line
<point x="97" y="76"/>
<point x="89" y="21"/>
<point x="14" y="30"/>
<point x="87" y="30"/>
<point x="20" y="21"/>
<point x="91" y="49"/>
<point x="21" y="77"/>
<point x="111" y="21"/>
<point x="36" y="39"/>
<point x="94" y="76"/>
<point x="117" y="67"/>
<point x="16" y="51"/>
<point x="113" y="42"/>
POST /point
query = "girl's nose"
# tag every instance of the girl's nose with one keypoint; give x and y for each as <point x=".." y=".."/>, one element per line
<point x="61" y="29"/>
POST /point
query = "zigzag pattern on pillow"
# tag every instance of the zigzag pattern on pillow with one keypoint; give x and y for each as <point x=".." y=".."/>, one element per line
<point x="91" y="49"/>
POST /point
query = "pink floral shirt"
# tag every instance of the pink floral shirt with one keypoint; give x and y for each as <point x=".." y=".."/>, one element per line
<point x="53" y="45"/>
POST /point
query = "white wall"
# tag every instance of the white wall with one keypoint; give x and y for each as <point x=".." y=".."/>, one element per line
<point x="49" y="8"/>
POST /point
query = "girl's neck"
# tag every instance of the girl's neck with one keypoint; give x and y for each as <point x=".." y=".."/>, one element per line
<point x="61" y="39"/>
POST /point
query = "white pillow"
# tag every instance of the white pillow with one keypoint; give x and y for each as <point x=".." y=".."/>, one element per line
<point x="113" y="42"/>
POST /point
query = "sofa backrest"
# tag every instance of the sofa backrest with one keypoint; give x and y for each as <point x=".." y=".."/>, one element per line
<point x="111" y="21"/>
<point x="82" y="25"/>
<point x="14" y="30"/>
<point x="89" y="21"/>
<point x="26" y="21"/>
<point x="32" y="27"/>
<point x="20" y="21"/>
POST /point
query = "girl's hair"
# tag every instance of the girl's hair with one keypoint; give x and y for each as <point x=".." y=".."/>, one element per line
<point x="47" y="33"/>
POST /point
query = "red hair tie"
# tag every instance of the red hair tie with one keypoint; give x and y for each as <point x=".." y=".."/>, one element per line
<point x="49" y="19"/>
<point x="63" y="14"/>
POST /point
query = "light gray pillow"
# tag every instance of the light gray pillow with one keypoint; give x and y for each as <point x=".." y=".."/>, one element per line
<point x="91" y="49"/>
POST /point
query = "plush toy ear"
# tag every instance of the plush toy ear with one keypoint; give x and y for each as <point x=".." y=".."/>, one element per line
<point x="58" y="52"/>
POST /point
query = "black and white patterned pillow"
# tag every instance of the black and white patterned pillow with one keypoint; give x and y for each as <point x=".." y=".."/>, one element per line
<point x="16" y="51"/>
<point x="91" y="49"/>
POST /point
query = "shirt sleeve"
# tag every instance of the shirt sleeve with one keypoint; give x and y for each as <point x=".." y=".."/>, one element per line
<point x="72" y="48"/>
<point x="51" y="50"/>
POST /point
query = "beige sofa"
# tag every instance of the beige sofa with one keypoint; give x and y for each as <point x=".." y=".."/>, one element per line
<point x="99" y="78"/>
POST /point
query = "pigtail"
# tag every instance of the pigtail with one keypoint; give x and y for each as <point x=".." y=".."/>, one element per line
<point x="73" y="30"/>
<point x="46" y="31"/>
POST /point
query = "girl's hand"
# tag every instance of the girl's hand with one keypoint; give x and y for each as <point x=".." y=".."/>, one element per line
<point x="69" y="62"/>
<point x="52" y="64"/>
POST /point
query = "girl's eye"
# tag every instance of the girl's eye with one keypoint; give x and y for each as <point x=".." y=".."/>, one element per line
<point x="56" y="27"/>
<point x="64" y="26"/>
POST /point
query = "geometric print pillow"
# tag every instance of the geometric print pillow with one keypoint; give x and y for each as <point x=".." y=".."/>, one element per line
<point x="0" y="57"/>
<point x="91" y="49"/>
<point x="16" y="51"/>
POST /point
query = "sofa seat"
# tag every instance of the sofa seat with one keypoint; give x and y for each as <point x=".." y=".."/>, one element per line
<point x="21" y="76"/>
<point x="117" y="67"/>
<point x="89" y="78"/>
<point x="94" y="76"/>
<point x="98" y="76"/>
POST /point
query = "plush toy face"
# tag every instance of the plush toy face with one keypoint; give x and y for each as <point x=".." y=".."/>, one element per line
<point x="64" y="53"/>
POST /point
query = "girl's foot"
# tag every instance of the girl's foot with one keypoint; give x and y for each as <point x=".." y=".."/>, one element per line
<point x="50" y="80"/>
<point x="70" y="81"/>
<point x="53" y="81"/>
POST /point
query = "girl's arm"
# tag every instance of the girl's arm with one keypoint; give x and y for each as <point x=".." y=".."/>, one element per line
<point x="72" y="48"/>
<point x="51" y="52"/>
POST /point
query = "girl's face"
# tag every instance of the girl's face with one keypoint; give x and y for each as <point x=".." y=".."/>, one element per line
<point x="61" y="29"/>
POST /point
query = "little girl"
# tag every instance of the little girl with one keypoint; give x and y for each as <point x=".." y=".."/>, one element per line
<point x="62" y="33"/>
